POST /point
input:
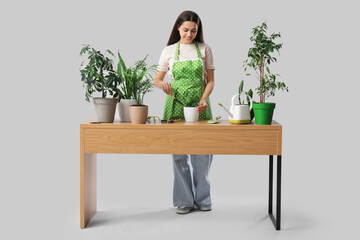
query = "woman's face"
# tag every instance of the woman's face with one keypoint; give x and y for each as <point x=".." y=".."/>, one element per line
<point x="188" y="31"/>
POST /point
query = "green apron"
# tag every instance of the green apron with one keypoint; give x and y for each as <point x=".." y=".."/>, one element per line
<point x="187" y="86"/>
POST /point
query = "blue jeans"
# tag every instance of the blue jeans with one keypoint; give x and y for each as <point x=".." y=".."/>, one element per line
<point x="195" y="189"/>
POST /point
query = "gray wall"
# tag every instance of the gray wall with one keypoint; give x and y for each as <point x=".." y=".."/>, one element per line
<point x="42" y="105"/>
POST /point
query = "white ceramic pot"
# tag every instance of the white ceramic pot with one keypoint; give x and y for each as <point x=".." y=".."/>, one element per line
<point x="105" y="109"/>
<point x="123" y="109"/>
<point x="191" y="114"/>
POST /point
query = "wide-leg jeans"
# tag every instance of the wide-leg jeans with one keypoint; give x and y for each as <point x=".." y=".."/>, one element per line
<point x="191" y="187"/>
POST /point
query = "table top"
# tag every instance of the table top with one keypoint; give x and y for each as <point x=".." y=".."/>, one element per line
<point x="202" y="124"/>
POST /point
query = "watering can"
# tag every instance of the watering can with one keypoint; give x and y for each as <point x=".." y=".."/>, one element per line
<point x="239" y="113"/>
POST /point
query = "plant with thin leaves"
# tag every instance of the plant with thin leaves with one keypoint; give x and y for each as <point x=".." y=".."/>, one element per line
<point x="137" y="80"/>
<point x="249" y="93"/>
<point x="241" y="90"/>
<point x="97" y="74"/>
<point x="259" y="59"/>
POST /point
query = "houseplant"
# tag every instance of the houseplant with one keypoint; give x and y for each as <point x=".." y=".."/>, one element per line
<point x="259" y="59"/>
<point x="137" y="81"/>
<point x="126" y="89"/>
<point x="98" y="75"/>
<point x="249" y="94"/>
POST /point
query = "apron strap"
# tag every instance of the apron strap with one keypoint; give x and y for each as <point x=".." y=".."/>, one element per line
<point x="177" y="50"/>
<point x="197" y="50"/>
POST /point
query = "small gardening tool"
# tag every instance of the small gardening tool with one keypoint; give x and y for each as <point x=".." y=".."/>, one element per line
<point x="215" y="120"/>
<point x="154" y="118"/>
<point x="177" y="100"/>
<point x="170" y="120"/>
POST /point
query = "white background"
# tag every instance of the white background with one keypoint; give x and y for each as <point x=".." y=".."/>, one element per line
<point x="42" y="105"/>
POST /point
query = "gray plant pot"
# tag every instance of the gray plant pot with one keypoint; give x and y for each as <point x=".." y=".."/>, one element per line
<point x="105" y="109"/>
<point x="123" y="109"/>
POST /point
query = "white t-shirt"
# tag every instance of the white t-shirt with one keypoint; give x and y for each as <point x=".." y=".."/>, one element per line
<point x="186" y="52"/>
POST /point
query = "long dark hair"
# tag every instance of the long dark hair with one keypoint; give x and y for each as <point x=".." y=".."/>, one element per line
<point x="183" y="17"/>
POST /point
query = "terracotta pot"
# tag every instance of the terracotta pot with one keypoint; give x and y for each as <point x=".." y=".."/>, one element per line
<point x="138" y="114"/>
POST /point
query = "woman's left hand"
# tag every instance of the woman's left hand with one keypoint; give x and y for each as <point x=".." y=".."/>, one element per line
<point x="202" y="106"/>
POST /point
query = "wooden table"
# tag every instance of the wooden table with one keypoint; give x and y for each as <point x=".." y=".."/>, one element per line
<point x="175" y="138"/>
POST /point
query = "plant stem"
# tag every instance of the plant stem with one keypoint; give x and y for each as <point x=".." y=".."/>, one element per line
<point x="261" y="80"/>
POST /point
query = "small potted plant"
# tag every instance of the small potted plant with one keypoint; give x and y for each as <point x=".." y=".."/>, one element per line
<point x="259" y="59"/>
<point x="191" y="113"/>
<point x="98" y="75"/>
<point x="137" y="81"/>
<point x="249" y="96"/>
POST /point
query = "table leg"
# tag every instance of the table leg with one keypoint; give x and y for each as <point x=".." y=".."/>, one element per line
<point x="87" y="188"/>
<point x="276" y="221"/>
<point x="270" y="184"/>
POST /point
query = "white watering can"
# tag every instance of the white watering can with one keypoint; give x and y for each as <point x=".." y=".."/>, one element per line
<point x="239" y="113"/>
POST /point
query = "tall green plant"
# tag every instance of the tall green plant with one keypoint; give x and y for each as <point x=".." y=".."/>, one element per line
<point x="259" y="59"/>
<point x="98" y="75"/>
<point x="137" y="80"/>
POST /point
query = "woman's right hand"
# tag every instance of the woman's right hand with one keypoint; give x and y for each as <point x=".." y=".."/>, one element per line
<point x="159" y="82"/>
<point x="166" y="87"/>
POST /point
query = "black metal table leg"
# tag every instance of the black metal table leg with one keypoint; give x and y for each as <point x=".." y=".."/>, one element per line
<point x="275" y="221"/>
<point x="270" y="184"/>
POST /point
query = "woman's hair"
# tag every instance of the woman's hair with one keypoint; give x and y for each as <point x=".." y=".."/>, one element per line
<point x="183" y="17"/>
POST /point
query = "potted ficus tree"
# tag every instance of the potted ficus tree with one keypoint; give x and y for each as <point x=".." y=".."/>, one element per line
<point x="98" y="75"/>
<point x="137" y="81"/>
<point x="259" y="59"/>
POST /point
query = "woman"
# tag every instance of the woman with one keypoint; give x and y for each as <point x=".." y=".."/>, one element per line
<point x="191" y="67"/>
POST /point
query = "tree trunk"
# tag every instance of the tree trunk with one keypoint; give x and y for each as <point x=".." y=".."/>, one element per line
<point x="262" y="95"/>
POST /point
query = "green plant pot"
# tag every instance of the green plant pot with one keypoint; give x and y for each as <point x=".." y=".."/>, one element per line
<point x="263" y="113"/>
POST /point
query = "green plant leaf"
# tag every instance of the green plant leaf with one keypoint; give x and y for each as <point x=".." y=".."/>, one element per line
<point x="267" y="69"/>
<point x="241" y="86"/>
<point x="108" y="51"/>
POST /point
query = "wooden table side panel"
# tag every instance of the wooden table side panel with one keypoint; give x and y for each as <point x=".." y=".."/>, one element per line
<point x="170" y="141"/>
<point x="82" y="176"/>
<point x="279" y="150"/>
<point x="87" y="183"/>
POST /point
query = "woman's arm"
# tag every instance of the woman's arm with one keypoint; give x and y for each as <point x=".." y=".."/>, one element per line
<point x="159" y="82"/>
<point x="209" y="87"/>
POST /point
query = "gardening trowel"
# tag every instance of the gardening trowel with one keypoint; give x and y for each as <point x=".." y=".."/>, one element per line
<point x="177" y="100"/>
